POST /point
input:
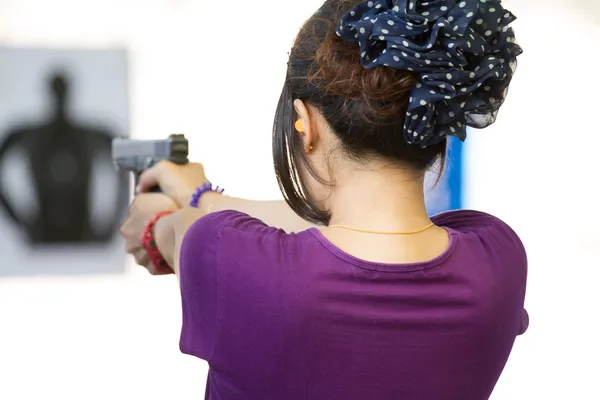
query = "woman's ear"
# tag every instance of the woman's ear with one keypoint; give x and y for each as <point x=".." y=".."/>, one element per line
<point x="304" y="125"/>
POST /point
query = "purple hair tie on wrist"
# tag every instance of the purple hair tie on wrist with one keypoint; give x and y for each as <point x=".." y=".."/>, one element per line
<point x="207" y="187"/>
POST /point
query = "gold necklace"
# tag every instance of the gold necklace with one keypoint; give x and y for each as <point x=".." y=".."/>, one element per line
<point x="381" y="232"/>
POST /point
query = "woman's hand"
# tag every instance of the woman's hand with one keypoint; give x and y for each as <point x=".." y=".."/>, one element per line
<point x="142" y="210"/>
<point x="179" y="182"/>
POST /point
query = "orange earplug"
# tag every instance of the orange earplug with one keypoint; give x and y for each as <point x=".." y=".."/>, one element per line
<point x="299" y="126"/>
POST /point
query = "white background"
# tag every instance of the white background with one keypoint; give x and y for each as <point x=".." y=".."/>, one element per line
<point x="214" y="70"/>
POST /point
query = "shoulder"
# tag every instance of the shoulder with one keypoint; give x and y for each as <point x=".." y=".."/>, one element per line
<point x="213" y="226"/>
<point x="233" y="230"/>
<point x="467" y="219"/>
<point x="229" y="237"/>
<point x="14" y="135"/>
<point x="472" y="221"/>
<point x="483" y="228"/>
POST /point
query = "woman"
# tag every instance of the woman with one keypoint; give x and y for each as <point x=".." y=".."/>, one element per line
<point x="348" y="290"/>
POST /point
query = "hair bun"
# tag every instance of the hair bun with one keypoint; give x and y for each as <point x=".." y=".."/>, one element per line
<point x="464" y="52"/>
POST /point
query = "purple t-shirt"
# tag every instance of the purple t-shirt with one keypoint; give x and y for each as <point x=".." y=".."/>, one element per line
<point x="291" y="317"/>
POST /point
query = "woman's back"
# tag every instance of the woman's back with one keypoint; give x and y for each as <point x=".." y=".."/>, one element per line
<point x="282" y="316"/>
<point x="373" y="91"/>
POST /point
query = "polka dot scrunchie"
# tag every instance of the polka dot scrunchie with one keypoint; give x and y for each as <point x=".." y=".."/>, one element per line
<point x="463" y="50"/>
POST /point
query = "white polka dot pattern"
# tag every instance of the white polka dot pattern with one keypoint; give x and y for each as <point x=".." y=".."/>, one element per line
<point x="454" y="46"/>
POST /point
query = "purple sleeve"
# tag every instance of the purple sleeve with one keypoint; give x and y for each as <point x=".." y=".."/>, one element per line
<point x="198" y="281"/>
<point x="198" y="278"/>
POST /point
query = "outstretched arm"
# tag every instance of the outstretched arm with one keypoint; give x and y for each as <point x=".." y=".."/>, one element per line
<point x="275" y="213"/>
<point x="180" y="181"/>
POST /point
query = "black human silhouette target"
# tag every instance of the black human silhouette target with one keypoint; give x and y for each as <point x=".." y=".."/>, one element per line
<point x="61" y="197"/>
<point x="60" y="152"/>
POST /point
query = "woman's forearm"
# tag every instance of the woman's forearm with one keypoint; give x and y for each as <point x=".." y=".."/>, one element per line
<point x="164" y="235"/>
<point x="272" y="213"/>
<point x="169" y="232"/>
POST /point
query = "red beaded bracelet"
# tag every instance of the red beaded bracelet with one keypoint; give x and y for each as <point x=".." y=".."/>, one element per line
<point x="149" y="243"/>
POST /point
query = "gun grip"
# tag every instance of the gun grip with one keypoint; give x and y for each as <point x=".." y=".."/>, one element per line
<point x="153" y="190"/>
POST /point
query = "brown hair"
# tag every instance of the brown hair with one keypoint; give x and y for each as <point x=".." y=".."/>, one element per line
<point x="365" y="108"/>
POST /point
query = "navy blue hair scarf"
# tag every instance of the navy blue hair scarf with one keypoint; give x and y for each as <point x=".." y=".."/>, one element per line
<point x="464" y="52"/>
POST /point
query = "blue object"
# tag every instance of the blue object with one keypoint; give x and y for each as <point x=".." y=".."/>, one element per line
<point x="447" y="195"/>
<point x="207" y="187"/>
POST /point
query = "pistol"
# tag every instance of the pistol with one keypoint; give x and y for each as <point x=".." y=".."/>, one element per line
<point x="138" y="155"/>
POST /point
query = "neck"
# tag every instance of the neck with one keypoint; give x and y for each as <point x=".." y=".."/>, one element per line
<point x="59" y="105"/>
<point x="59" y="113"/>
<point x="385" y="199"/>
